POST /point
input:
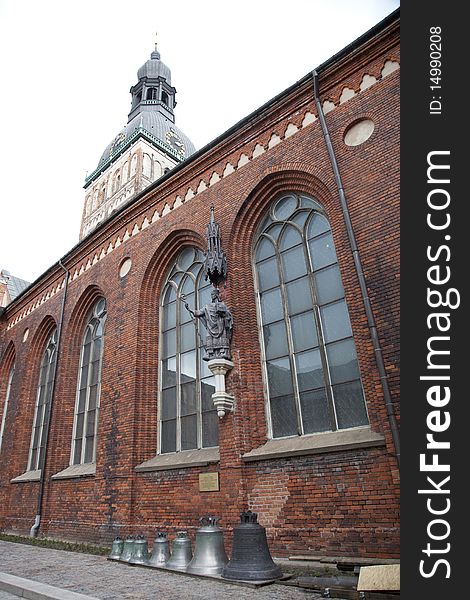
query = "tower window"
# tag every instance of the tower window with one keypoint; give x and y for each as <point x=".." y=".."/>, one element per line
<point x="165" y="98"/>
<point x="152" y="94"/>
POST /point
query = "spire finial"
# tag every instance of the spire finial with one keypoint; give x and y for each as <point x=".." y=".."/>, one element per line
<point x="156" y="41"/>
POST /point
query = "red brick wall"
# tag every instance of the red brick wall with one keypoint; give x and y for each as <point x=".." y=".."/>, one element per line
<point x="341" y="503"/>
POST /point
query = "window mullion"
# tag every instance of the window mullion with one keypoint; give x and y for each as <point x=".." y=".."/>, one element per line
<point x="87" y="396"/>
<point x="178" y="371"/>
<point x="290" y="342"/>
<point x="321" y="338"/>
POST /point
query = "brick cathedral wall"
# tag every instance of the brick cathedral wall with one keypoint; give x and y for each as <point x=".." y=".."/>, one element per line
<point x="341" y="503"/>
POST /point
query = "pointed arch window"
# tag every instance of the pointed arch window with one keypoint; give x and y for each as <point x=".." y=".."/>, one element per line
<point x="310" y="364"/>
<point x="5" y="406"/>
<point x="88" y="389"/>
<point x="187" y="416"/>
<point x="43" y="404"/>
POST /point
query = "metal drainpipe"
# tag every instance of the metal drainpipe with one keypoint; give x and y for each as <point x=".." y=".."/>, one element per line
<point x="360" y="273"/>
<point x="34" y="529"/>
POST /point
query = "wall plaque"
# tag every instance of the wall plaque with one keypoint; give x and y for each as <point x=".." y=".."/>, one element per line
<point x="209" y="482"/>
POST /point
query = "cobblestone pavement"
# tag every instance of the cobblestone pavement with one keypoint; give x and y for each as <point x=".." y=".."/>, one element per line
<point x="96" y="576"/>
<point x="7" y="596"/>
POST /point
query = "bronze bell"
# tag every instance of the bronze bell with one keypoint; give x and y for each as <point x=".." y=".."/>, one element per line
<point x="140" y="552"/>
<point x="181" y="552"/>
<point x="116" y="550"/>
<point x="160" y="551"/>
<point x="127" y="549"/>
<point x="251" y="559"/>
<point x="209" y="553"/>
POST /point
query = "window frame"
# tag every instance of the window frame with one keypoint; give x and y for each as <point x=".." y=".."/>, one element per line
<point x="197" y="279"/>
<point x="269" y="218"/>
<point x="48" y="384"/>
<point x="11" y="374"/>
<point x="100" y="318"/>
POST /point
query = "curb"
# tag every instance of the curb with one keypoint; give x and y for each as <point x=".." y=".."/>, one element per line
<point x="34" y="590"/>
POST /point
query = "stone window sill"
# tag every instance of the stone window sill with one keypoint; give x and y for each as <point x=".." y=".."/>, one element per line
<point x="74" y="471"/>
<point x="28" y="476"/>
<point x="180" y="460"/>
<point x="319" y="443"/>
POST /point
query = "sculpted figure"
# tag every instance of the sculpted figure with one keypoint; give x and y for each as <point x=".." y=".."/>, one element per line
<point x="217" y="319"/>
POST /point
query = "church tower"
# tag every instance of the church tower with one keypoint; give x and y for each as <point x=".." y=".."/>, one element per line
<point x="145" y="149"/>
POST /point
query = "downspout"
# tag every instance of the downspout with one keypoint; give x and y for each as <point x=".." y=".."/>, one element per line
<point x="34" y="529"/>
<point x="360" y="273"/>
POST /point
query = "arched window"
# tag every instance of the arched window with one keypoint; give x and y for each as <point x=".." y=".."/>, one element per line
<point x="88" y="389"/>
<point x="152" y="94"/>
<point x="147" y="166"/>
<point x="310" y="364"/>
<point x="43" y="404"/>
<point x="187" y="416"/>
<point x="5" y="406"/>
<point x="165" y="98"/>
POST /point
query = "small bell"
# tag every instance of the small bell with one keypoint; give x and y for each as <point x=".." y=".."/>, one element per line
<point x="140" y="552"/>
<point x="160" y="552"/>
<point x="128" y="549"/>
<point x="209" y="553"/>
<point x="251" y="559"/>
<point x="116" y="550"/>
<point x="181" y="552"/>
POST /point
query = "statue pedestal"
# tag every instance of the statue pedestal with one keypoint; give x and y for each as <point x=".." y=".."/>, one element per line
<point x="223" y="402"/>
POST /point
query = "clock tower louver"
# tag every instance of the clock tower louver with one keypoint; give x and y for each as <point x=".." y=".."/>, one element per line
<point x="146" y="148"/>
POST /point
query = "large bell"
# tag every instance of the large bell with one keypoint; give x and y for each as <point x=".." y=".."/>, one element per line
<point x="251" y="559"/>
<point x="209" y="553"/>
<point x="116" y="550"/>
<point x="181" y="552"/>
<point x="160" y="551"/>
<point x="128" y="549"/>
<point x="140" y="552"/>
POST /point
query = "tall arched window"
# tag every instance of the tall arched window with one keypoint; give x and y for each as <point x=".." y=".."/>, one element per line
<point x="43" y="404"/>
<point x="310" y="364"/>
<point x="5" y="406"/>
<point x="152" y="94"/>
<point x="187" y="416"/>
<point x="88" y="389"/>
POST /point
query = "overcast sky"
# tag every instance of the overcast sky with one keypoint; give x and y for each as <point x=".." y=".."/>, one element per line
<point x="65" y="72"/>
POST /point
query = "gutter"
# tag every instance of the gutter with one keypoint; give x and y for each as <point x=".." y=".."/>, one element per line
<point x="37" y="521"/>
<point x="360" y="273"/>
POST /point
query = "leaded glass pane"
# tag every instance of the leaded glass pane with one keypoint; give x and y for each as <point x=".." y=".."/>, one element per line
<point x="342" y="361"/>
<point x="189" y="432"/>
<point x="317" y="225"/>
<point x="185" y="315"/>
<point x="293" y="263"/>
<point x="265" y="249"/>
<point x="268" y="274"/>
<point x="304" y="331"/>
<point x="309" y="370"/>
<point x="315" y="414"/>
<point x="207" y="389"/>
<point x="169" y="316"/>
<point x="188" y="366"/>
<point x="210" y="429"/>
<point x="328" y="285"/>
<point x="299" y="296"/>
<point x="271" y="305"/>
<point x="279" y="377"/>
<point x="300" y="218"/>
<point x="350" y="406"/>
<point x="275" y="339"/>
<point x="185" y="258"/>
<point x="188" y="398"/>
<point x="285" y="207"/>
<point x="290" y="237"/>
<point x="335" y="321"/>
<point x="89" y="441"/>
<point x="169" y="343"/>
<point x="169" y="403"/>
<point x="168" y="434"/>
<point x="188" y="337"/>
<point x="322" y="251"/>
<point x="169" y="372"/>
<point x="284" y="416"/>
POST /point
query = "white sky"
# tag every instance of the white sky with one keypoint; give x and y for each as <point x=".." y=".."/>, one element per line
<point x="65" y="72"/>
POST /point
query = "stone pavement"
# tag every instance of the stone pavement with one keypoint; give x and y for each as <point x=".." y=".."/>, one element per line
<point x="95" y="576"/>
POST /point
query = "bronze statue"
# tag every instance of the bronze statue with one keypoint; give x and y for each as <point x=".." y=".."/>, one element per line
<point x="217" y="319"/>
